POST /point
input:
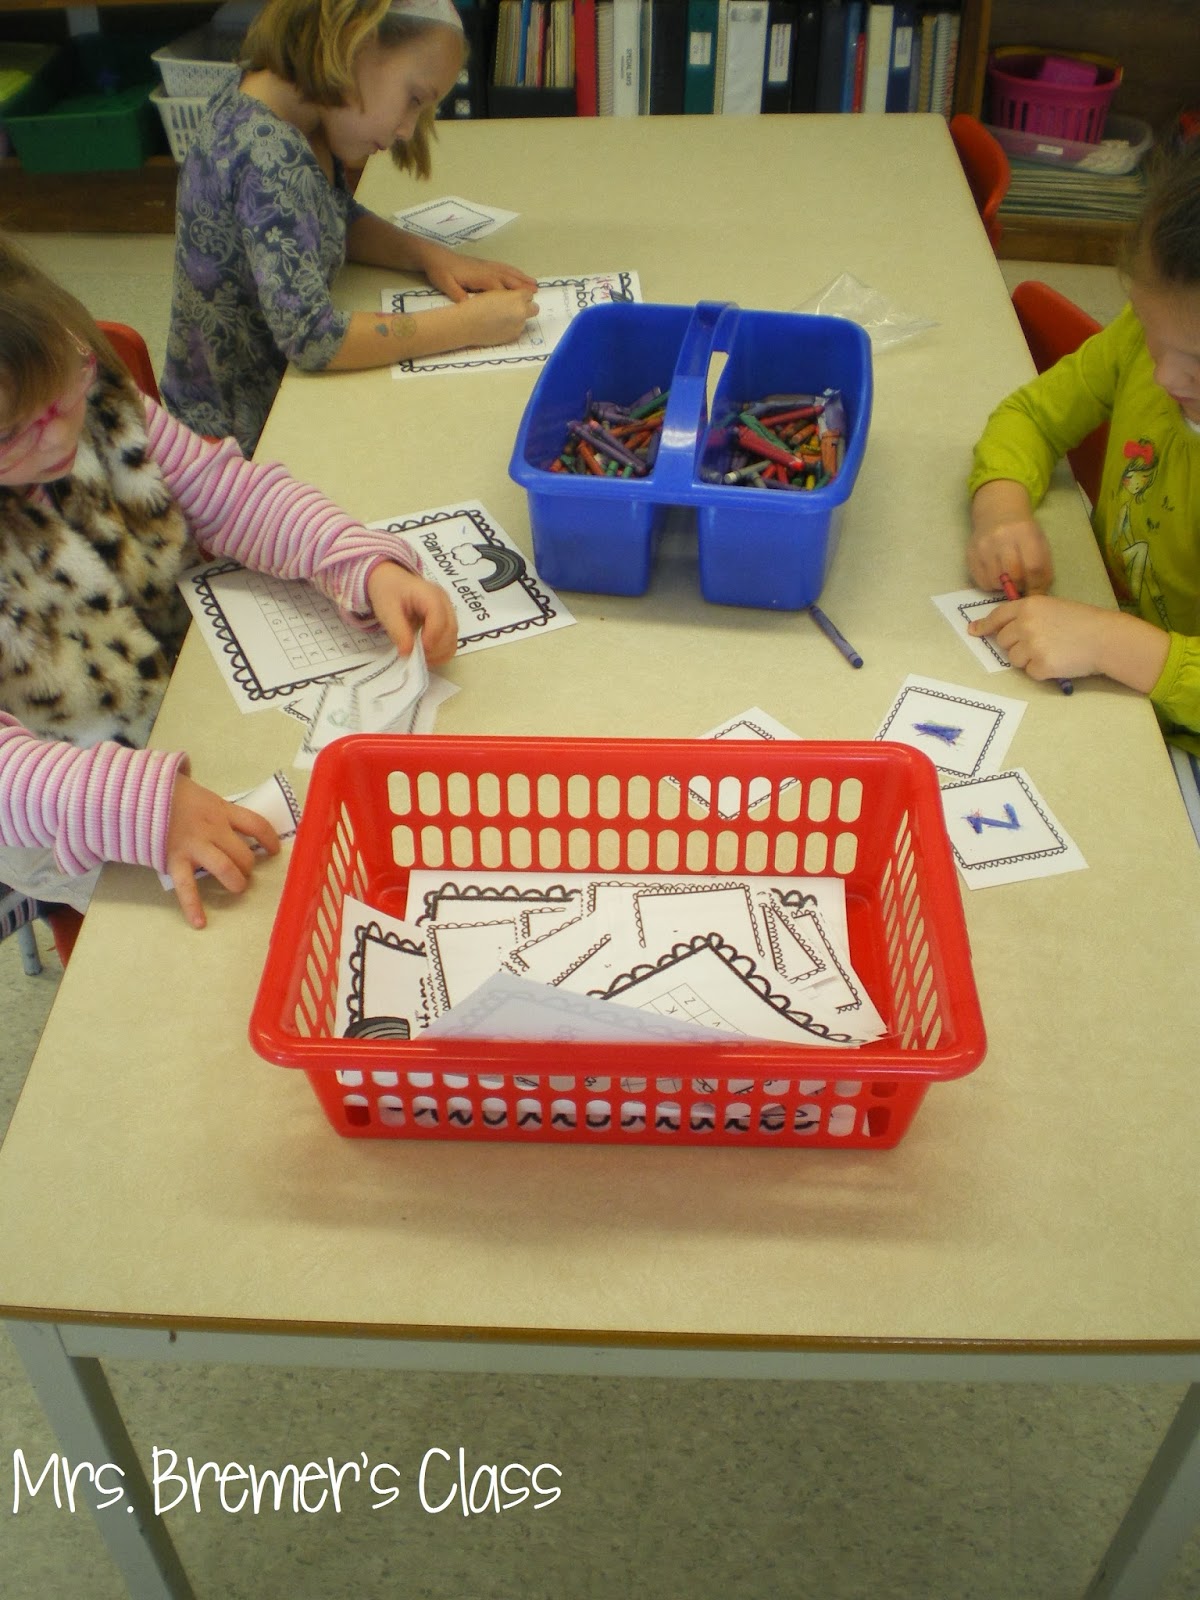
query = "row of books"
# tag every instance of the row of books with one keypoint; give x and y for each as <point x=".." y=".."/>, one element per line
<point x="652" y="57"/>
<point x="535" y="45"/>
<point x="893" y="57"/>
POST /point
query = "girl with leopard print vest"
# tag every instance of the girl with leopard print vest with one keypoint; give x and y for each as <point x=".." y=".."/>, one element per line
<point x="104" y="498"/>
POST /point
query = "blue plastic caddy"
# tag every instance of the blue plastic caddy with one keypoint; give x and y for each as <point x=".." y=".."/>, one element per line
<point x="757" y="547"/>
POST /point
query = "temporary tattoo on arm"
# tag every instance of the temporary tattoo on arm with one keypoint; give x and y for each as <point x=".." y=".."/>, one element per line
<point x="401" y="326"/>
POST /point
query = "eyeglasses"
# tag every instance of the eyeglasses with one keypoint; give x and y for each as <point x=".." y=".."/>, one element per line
<point x="19" y="446"/>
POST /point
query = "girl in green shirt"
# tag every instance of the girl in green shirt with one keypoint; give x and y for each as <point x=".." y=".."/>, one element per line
<point x="1141" y="374"/>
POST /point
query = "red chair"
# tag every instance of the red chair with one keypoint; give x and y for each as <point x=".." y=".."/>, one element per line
<point x="131" y="348"/>
<point x="17" y="915"/>
<point x="986" y="167"/>
<point x="1054" y="326"/>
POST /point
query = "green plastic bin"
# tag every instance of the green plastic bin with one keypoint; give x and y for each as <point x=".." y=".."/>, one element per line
<point x="23" y="71"/>
<point x="91" y="110"/>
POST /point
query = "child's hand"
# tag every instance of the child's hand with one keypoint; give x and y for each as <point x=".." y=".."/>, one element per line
<point x="1019" y="549"/>
<point x="1007" y="538"/>
<point x="495" y="317"/>
<point x="457" y="276"/>
<point x="1047" y="637"/>
<point x="204" y="830"/>
<point x="1051" y="638"/>
<point x="403" y="602"/>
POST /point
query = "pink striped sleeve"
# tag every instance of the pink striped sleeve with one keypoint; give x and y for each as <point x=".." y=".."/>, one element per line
<point x="263" y="517"/>
<point x="108" y="803"/>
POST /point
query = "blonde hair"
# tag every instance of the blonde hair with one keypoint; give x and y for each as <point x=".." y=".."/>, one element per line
<point x="41" y="328"/>
<point x="313" y="45"/>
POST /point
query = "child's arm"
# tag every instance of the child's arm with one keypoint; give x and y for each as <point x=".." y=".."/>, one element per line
<point x="402" y="604"/>
<point x="207" y="831"/>
<point x="373" y="242"/>
<point x="379" y="338"/>
<point x="261" y="516"/>
<point x="1052" y="638"/>
<point x="1007" y="538"/>
<point x="106" y="803"/>
<point x="281" y="233"/>
<point x="492" y="301"/>
<point x="1029" y="432"/>
<point x="1025" y="437"/>
<point x="111" y="803"/>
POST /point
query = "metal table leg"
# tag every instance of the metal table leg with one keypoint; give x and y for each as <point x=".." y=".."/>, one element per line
<point x="1161" y="1516"/>
<point x="79" y="1404"/>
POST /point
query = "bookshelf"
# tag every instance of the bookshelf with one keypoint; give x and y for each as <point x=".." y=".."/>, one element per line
<point x="141" y="200"/>
<point x="1155" y="42"/>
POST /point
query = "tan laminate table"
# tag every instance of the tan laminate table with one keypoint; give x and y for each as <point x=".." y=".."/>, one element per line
<point x="1040" y="1219"/>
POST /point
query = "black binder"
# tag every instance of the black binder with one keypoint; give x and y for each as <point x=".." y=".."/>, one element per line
<point x="807" y="50"/>
<point x="468" y="98"/>
<point x="781" y="55"/>
<point x="667" y="38"/>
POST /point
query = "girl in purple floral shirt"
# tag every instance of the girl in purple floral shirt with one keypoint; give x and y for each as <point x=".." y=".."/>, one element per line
<point x="265" y="219"/>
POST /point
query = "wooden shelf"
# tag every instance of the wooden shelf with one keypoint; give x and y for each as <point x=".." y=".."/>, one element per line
<point x="1060" y="239"/>
<point x="7" y="6"/>
<point x="1157" y="54"/>
<point x="1154" y="41"/>
<point x="1155" y="44"/>
<point x="141" y="200"/>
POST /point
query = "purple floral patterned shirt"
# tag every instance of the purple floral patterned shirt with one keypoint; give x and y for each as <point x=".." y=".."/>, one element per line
<point x="259" y="234"/>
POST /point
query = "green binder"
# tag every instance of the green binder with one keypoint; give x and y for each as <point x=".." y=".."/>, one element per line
<point x="700" y="73"/>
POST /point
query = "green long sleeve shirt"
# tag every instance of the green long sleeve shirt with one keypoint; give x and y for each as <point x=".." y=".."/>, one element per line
<point x="1147" y="514"/>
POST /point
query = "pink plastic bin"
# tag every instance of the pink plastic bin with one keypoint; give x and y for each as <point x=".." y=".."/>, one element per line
<point x="1028" y="92"/>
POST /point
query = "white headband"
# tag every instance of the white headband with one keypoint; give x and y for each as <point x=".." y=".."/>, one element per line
<point x="444" y="11"/>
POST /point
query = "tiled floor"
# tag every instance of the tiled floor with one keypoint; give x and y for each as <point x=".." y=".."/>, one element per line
<point x="1097" y="289"/>
<point x="125" y="278"/>
<point x="671" y="1490"/>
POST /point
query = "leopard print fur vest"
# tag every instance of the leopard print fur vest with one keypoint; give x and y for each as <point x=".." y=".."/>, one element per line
<point x="91" y="619"/>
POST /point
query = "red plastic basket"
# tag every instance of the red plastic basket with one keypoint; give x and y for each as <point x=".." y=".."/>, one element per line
<point x="869" y="813"/>
<point x="1030" y="90"/>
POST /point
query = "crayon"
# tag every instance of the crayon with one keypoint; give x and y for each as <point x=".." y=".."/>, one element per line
<point x="831" y="633"/>
<point x="778" y="419"/>
<point x="649" y="404"/>
<point x="595" y="434"/>
<point x="769" y="449"/>
<point x="613" y="434"/>
<point x="791" y="441"/>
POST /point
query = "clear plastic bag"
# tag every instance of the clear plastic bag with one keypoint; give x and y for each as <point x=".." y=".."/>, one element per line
<point x="885" y="324"/>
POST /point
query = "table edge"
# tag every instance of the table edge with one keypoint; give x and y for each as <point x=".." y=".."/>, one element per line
<point x="607" y="1338"/>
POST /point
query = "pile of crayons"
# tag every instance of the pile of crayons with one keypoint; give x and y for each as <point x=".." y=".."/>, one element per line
<point x="787" y="441"/>
<point x="613" y="441"/>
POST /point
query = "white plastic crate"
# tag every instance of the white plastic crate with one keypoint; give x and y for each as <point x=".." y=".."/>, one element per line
<point x="1122" y="144"/>
<point x="180" y="117"/>
<point x="198" y="63"/>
